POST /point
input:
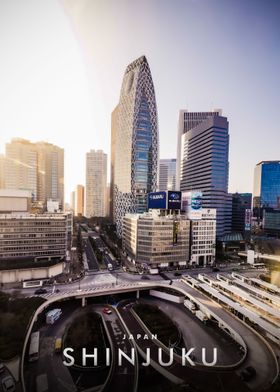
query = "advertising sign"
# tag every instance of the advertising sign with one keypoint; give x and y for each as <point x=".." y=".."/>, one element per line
<point x="248" y="219"/>
<point x="157" y="200"/>
<point x="192" y="204"/>
<point x="174" y="200"/>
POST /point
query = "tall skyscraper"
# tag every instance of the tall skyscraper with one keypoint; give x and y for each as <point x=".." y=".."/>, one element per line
<point x="114" y="120"/>
<point x="266" y="192"/>
<point x="203" y="144"/>
<point x="96" y="183"/>
<point x="73" y="201"/>
<point x="21" y="168"/>
<point x="136" y="142"/>
<point x="2" y="171"/>
<point x="167" y="174"/>
<point x="50" y="173"/>
<point x="79" y="200"/>
<point x="38" y="167"/>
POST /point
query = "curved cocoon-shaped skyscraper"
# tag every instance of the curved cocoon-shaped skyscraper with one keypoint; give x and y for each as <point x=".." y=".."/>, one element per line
<point x="135" y="143"/>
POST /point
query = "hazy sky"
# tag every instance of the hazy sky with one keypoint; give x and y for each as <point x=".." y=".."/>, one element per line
<point x="62" y="64"/>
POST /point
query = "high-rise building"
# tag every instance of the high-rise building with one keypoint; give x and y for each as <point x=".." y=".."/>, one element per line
<point x="38" y="167"/>
<point x="202" y="161"/>
<point x="241" y="203"/>
<point x="21" y="167"/>
<point x="96" y="183"/>
<point x="167" y="174"/>
<point x="73" y="201"/>
<point x="266" y="192"/>
<point x="50" y="173"/>
<point x="79" y="200"/>
<point x="2" y="171"/>
<point x="114" y="120"/>
<point x="136" y="142"/>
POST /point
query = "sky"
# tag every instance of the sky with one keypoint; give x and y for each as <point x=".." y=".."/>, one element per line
<point x="62" y="64"/>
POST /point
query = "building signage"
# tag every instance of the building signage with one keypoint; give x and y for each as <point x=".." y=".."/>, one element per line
<point x="174" y="200"/>
<point x="192" y="204"/>
<point x="248" y="219"/>
<point x="208" y="213"/>
<point x="157" y="200"/>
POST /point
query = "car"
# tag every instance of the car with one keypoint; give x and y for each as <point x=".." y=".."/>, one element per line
<point x="215" y="269"/>
<point x="40" y="291"/>
<point x="57" y="290"/>
<point x="8" y="384"/>
<point x="107" y="311"/>
<point x="145" y="277"/>
<point x="177" y="273"/>
<point x="2" y="368"/>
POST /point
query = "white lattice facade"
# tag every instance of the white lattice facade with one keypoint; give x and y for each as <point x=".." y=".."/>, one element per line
<point x="136" y="142"/>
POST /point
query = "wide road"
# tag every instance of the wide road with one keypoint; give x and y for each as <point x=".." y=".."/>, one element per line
<point x="260" y="356"/>
<point x="201" y="377"/>
<point x="198" y="335"/>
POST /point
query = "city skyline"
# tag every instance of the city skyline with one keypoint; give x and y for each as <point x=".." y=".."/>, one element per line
<point x="66" y="96"/>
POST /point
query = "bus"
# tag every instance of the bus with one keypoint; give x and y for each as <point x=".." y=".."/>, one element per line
<point x="32" y="283"/>
<point x="259" y="265"/>
<point x="34" y="346"/>
<point x="58" y="345"/>
<point x="53" y="315"/>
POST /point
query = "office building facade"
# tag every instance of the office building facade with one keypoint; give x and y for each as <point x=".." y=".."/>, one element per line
<point x="241" y="205"/>
<point x="154" y="241"/>
<point x="37" y="167"/>
<point x="28" y="235"/>
<point x="136" y="142"/>
<point x="2" y="171"/>
<point x="50" y="173"/>
<point x="266" y="192"/>
<point x="96" y="184"/>
<point x="167" y="174"/>
<point x="202" y="161"/>
<point x="21" y="167"/>
<point x="114" y="123"/>
<point x="203" y="238"/>
<point x="79" y="200"/>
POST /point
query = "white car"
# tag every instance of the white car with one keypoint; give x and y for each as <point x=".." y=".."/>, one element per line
<point x="8" y="384"/>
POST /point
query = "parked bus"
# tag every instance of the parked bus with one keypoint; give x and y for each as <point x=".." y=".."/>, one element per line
<point x="34" y="346"/>
<point x="58" y="345"/>
<point x="32" y="283"/>
<point x="53" y="315"/>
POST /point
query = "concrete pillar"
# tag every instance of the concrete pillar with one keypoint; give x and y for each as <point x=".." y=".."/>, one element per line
<point x="84" y="302"/>
<point x="137" y="294"/>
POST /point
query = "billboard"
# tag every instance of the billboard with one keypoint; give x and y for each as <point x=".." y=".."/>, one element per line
<point x="157" y="200"/>
<point x="174" y="200"/>
<point x="192" y="204"/>
<point x="248" y="219"/>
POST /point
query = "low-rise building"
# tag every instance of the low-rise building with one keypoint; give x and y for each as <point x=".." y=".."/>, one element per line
<point x="34" y="235"/>
<point x="156" y="240"/>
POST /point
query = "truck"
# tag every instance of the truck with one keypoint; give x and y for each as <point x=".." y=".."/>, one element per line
<point x="190" y="305"/>
<point x="201" y="316"/>
<point x="53" y="315"/>
<point x="153" y="271"/>
<point x="58" y="345"/>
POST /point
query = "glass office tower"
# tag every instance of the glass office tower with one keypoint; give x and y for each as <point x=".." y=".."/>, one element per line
<point x="267" y="185"/>
<point x="136" y="142"/>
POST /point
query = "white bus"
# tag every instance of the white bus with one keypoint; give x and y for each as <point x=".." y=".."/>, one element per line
<point x="32" y="283"/>
<point x="53" y="315"/>
<point x="34" y="346"/>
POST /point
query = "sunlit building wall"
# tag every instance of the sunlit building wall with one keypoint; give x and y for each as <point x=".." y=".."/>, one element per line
<point x="96" y="183"/>
<point x="21" y="167"/>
